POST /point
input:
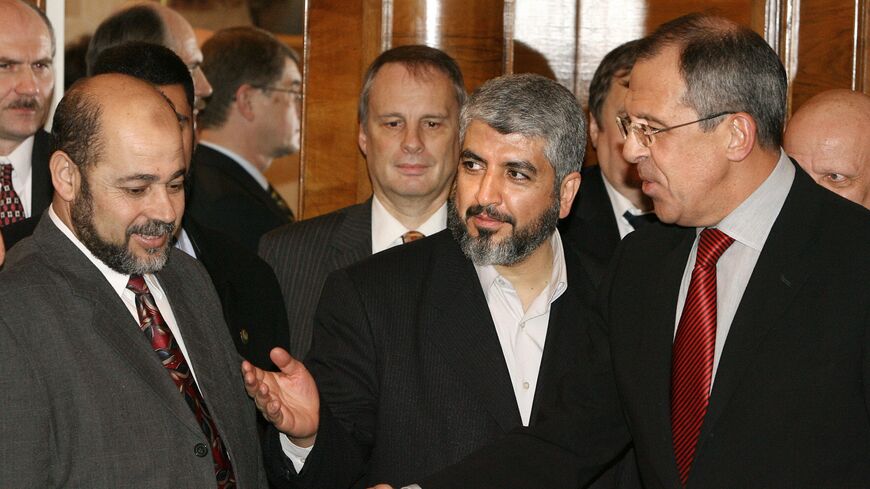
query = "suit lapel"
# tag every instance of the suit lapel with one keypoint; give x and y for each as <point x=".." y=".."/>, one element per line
<point x="781" y="270"/>
<point x="111" y="319"/>
<point x="234" y="171"/>
<point x="352" y="240"/>
<point x="464" y="333"/>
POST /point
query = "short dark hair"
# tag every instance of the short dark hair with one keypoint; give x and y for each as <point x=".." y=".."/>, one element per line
<point x="137" y="23"/>
<point x="617" y="63"/>
<point x="533" y="106"/>
<point x="77" y="126"/>
<point x="726" y="67"/>
<point x="155" y="64"/>
<point x="417" y="59"/>
<point x="237" y="56"/>
<point x="46" y="21"/>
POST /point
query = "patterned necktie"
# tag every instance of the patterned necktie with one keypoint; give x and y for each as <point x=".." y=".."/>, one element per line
<point x="694" y="346"/>
<point x="11" y="209"/>
<point x="158" y="333"/>
<point x="281" y="203"/>
<point x="412" y="236"/>
<point x="640" y="220"/>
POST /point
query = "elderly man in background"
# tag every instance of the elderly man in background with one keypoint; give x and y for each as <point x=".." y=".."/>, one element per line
<point x="828" y="138"/>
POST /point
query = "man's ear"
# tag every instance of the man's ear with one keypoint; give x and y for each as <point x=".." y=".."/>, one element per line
<point x="567" y="191"/>
<point x="593" y="133"/>
<point x="65" y="176"/>
<point x="363" y="139"/>
<point x="742" y="136"/>
<point x="244" y="101"/>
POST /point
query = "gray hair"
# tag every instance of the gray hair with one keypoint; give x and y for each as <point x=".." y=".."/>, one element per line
<point x="532" y="106"/>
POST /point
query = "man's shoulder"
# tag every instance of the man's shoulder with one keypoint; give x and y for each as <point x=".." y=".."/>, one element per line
<point x="320" y="229"/>
<point x="410" y="261"/>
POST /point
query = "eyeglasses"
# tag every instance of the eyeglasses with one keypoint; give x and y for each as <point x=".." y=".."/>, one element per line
<point x="294" y="92"/>
<point x="644" y="133"/>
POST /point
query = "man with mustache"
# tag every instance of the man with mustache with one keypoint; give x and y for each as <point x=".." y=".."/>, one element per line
<point x="117" y="368"/>
<point x="427" y="351"/>
<point x="26" y="87"/>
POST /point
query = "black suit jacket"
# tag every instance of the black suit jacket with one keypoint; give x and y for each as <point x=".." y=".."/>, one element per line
<point x="41" y="190"/>
<point x="249" y="292"/>
<point x="223" y="196"/>
<point x="304" y="253"/>
<point x="591" y="226"/>
<point x="790" y="402"/>
<point x="409" y="365"/>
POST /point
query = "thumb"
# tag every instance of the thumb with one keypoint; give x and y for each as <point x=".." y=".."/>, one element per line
<point x="283" y="360"/>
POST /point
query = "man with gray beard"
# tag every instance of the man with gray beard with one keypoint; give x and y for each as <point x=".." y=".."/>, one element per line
<point x="425" y="352"/>
<point x="112" y="343"/>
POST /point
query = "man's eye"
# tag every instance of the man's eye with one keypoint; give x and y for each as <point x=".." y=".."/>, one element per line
<point x="517" y="175"/>
<point x="392" y="124"/>
<point x="135" y="190"/>
<point x="471" y="165"/>
<point x="432" y="124"/>
<point x="176" y="186"/>
<point x="837" y="178"/>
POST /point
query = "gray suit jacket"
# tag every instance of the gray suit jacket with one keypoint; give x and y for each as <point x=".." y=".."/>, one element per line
<point x="304" y="253"/>
<point x="85" y="401"/>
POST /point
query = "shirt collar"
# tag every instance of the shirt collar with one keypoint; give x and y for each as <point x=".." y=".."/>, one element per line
<point x="21" y="156"/>
<point x="118" y="281"/>
<point x="619" y="202"/>
<point x="245" y="164"/>
<point x="751" y="221"/>
<point x="387" y="230"/>
<point x="488" y="275"/>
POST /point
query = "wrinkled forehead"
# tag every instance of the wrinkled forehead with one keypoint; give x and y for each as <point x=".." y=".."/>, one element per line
<point x="656" y="87"/>
<point x="22" y="33"/>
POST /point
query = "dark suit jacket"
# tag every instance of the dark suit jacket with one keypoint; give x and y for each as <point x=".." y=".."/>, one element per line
<point x="304" y="253"/>
<point x="408" y="361"/>
<point x="591" y="227"/>
<point x="41" y="190"/>
<point x="789" y="405"/>
<point x="223" y="196"/>
<point x="249" y="293"/>
<point x="86" y="402"/>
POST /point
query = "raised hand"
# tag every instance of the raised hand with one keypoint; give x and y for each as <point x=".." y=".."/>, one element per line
<point x="288" y="399"/>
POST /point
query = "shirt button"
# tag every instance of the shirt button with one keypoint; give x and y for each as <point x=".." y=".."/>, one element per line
<point x="526" y="384"/>
<point x="523" y="325"/>
<point x="200" y="450"/>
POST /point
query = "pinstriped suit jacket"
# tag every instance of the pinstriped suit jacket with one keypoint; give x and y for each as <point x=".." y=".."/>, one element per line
<point x="304" y="253"/>
<point x="85" y="402"/>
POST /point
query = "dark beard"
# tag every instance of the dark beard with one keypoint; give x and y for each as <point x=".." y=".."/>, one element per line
<point x="116" y="256"/>
<point x="511" y="250"/>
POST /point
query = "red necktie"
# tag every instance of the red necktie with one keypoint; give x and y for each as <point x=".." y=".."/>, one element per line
<point x="11" y="209"/>
<point x="158" y="333"/>
<point x="694" y="346"/>
<point x="412" y="236"/>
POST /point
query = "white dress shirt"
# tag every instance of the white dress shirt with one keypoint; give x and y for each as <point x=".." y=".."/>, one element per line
<point x="22" y="174"/>
<point x="118" y="282"/>
<point x="245" y="164"/>
<point x="184" y="243"/>
<point x="749" y="224"/>
<point x="387" y="231"/>
<point x="522" y="334"/>
<point x="620" y="204"/>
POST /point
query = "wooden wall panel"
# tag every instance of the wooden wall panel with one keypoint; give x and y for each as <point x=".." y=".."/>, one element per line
<point x="824" y="33"/>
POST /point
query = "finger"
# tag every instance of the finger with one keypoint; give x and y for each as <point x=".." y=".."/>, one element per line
<point x="282" y="359"/>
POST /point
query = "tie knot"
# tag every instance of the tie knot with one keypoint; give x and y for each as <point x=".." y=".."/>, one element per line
<point x="6" y="168"/>
<point x="640" y="220"/>
<point x="711" y="246"/>
<point x="137" y="284"/>
<point x="412" y="236"/>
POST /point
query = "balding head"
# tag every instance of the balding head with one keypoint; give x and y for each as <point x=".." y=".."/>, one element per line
<point x="119" y="170"/>
<point x="828" y="138"/>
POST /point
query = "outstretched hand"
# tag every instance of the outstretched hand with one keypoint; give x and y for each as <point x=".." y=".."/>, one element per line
<point x="288" y="399"/>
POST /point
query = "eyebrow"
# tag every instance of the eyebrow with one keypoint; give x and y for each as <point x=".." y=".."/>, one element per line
<point x="522" y="165"/>
<point x="650" y="118"/>
<point x="468" y="154"/>
<point x="146" y="177"/>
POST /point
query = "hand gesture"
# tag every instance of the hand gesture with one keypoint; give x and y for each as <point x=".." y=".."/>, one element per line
<point x="288" y="399"/>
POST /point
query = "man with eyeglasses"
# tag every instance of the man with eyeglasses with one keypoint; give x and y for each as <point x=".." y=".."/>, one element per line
<point x="252" y="117"/>
<point x="738" y="335"/>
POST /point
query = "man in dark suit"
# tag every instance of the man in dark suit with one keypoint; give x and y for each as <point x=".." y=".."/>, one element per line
<point x="250" y="295"/>
<point x="409" y="133"/>
<point x="427" y="351"/>
<point x="87" y="396"/>
<point x="739" y="337"/>
<point x="251" y="119"/>
<point x="27" y="47"/>
<point x="610" y="203"/>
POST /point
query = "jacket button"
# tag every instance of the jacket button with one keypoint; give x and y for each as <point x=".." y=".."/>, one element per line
<point x="200" y="450"/>
<point x="243" y="334"/>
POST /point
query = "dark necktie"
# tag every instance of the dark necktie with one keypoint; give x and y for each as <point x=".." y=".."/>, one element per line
<point x="412" y="236"/>
<point x="11" y="209"/>
<point x="641" y="220"/>
<point x="158" y="333"/>
<point x="694" y="347"/>
<point x="281" y="203"/>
